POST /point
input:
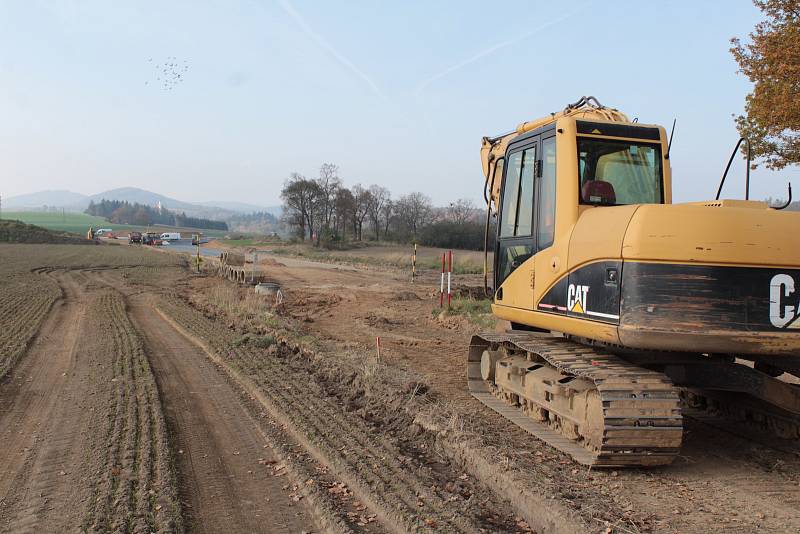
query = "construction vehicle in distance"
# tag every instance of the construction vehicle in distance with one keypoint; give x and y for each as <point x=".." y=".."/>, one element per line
<point x="152" y="239"/>
<point x="626" y="308"/>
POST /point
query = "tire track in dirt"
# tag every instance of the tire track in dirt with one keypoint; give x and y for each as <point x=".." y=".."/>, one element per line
<point x="407" y="496"/>
<point x="221" y="458"/>
<point x="37" y="416"/>
<point x="134" y="489"/>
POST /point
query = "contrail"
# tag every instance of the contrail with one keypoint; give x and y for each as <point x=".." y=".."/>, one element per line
<point x="298" y="18"/>
<point x="490" y="50"/>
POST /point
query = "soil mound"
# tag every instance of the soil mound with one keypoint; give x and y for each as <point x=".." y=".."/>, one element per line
<point x="19" y="232"/>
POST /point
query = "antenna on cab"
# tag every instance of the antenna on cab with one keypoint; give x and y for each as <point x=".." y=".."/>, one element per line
<point x="669" y="145"/>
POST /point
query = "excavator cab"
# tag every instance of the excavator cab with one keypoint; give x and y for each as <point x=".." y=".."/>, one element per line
<point x="589" y="243"/>
<point x="554" y="172"/>
<point x="615" y="295"/>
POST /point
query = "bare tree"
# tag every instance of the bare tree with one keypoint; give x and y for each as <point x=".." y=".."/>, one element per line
<point x="379" y="198"/>
<point x="386" y="215"/>
<point x="344" y="205"/>
<point x="461" y="211"/>
<point x="329" y="183"/>
<point x="323" y="209"/>
<point x="362" y="199"/>
<point x="415" y="210"/>
<point x="295" y="220"/>
<point x="301" y="199"/>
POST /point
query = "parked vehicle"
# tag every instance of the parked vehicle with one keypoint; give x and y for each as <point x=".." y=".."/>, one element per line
<point x="152" y="239"/>
<point x="135" y="237"/>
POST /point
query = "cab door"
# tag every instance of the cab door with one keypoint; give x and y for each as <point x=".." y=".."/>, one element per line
<point x="516" y="241"/>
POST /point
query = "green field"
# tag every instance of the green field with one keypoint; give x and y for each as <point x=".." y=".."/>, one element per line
<point x="79" y="223"/>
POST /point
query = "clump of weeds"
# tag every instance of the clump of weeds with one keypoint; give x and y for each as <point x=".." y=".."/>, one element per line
<point x="261" y="342"/>
<point x="476" y="311"/>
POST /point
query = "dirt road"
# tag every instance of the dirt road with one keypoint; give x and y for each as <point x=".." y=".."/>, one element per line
<point x="221" y="454"/>
<point x="41" y="420"/>
<point x="83" y="441"/>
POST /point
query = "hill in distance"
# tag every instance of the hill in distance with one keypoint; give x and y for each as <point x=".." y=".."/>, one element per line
<point x="71" y="201"/>
<point x="232" y="205"/>
<point x="55" y="198"/>
<point x="141" y="196"/>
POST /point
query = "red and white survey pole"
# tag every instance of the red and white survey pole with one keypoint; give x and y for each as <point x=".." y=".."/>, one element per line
<point x="447" y="267"/>
<point x="441" y="285"/>
<point x="449" y="273"/>
<point x="414" y="264"/>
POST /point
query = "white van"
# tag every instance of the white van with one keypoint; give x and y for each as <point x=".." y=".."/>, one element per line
<point x="170" y="236"/>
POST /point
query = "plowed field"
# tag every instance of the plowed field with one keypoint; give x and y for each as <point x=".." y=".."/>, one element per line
<point x="136" y="396"/>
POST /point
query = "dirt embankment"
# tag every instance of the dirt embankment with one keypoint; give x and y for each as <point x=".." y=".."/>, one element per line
<point x="19" y="232"/>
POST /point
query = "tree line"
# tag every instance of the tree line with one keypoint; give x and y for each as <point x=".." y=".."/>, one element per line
<point x="258" y="222"/>
<point x="123" y="212"/>
<point x="325" y="211"/>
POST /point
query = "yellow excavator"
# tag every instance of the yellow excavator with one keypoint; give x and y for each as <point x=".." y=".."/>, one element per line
<point x="626" y="309"/>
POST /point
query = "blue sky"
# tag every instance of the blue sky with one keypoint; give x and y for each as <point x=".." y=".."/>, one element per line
<point x="395" y="93"/>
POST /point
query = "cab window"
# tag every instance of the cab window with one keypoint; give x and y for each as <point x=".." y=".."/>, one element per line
<point x="615" y="173"/>
<point x="510" y="195"/>
<point x="546" y="224"/>
<point x="511" y="256"/>
<point x="517" y="212"/>
<point x="517" y="240"/>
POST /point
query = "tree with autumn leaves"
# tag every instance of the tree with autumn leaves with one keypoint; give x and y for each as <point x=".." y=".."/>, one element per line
<point x="772" y="62"/>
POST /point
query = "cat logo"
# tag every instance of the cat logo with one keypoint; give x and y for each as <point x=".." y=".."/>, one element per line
<point x="576" y="298"/>
<point x="782" y="314"/>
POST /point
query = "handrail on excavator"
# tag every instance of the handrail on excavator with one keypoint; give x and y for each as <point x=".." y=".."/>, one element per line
<point x="747" y="175"/>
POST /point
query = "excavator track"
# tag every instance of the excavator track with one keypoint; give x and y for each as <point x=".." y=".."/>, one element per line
<point x="739" y="414"/>
<point x="592" y="405"/>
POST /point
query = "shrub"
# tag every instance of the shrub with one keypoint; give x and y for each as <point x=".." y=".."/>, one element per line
<point x="261" y="342"/>
<point x="465" y="236"/>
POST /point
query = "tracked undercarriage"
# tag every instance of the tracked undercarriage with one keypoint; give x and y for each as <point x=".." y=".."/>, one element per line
<point x="604" y="410"/>
<point x="592" y="405"/>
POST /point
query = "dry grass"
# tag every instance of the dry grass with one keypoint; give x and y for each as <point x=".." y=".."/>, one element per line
<point x="258" y="321"/>
<point x="243" y="305"/>
<point x="395" y="256"/>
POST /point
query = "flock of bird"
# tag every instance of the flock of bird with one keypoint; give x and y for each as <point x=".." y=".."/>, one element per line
<point x="170" y="72"/>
